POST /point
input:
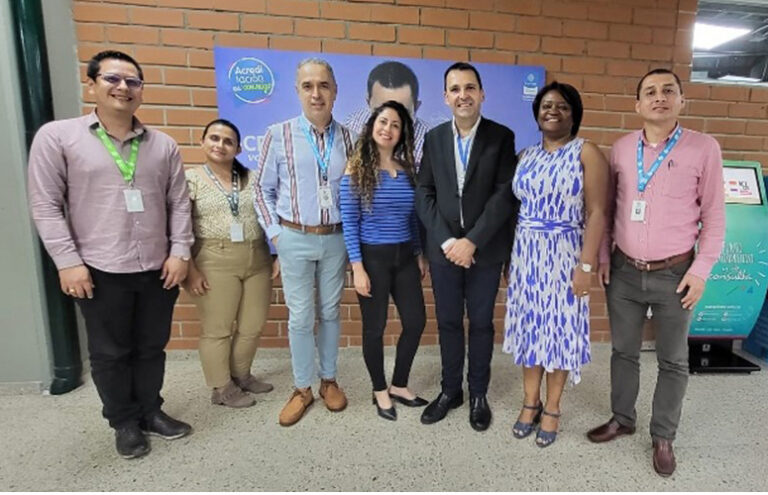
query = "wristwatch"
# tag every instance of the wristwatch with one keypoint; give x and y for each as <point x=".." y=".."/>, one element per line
<point x="586" y="267"/>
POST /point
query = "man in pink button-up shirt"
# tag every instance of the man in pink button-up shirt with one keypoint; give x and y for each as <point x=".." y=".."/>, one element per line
<point x="667" y="197"/>
<point x="109" y="199"/>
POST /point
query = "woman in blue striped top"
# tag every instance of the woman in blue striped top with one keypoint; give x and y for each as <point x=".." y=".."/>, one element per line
<point x="382" y="238"/>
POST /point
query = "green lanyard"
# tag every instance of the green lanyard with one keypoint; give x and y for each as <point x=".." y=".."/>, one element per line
<point x="127" y="169"/>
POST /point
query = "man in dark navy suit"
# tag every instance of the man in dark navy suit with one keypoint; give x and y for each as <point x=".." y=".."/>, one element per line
<point x="465" y="201"/>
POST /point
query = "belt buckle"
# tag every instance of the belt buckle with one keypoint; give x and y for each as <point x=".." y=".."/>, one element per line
<point x="643" y="266"/>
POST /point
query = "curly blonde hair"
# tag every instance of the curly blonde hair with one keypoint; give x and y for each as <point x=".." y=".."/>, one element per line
<point x="364" y="164"/>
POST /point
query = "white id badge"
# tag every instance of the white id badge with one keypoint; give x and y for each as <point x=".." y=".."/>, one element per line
<point x="133" y="201"/>
<point x="236" y="232"/>
<point x="638" y="210"/>
<point x="325" y="195"/>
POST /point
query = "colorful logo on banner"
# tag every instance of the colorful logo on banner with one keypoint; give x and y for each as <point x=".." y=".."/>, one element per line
<point x="530" y="87"/>
<point x="251" y="80"/>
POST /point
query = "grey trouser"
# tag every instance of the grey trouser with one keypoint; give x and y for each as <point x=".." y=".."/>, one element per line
<point x="629" y="294"/>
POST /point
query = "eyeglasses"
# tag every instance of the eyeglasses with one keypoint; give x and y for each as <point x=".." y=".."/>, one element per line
<point x="116" y="79"/>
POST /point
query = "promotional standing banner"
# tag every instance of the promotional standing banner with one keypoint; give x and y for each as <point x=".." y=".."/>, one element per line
<point x="736" y="288"/>
<point x="256" y="88"/>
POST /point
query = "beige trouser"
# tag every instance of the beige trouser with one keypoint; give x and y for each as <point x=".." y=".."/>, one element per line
<point x="240" y="289"/>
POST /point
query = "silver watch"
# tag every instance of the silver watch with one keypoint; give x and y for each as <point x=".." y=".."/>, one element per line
<point x="586" y="267"/>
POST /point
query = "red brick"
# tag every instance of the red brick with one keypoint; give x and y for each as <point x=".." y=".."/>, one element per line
<point x="190" y="77"/>
<point x="492" y="57"/>
<point x="185" y="37"/>
<point x="370" y="32"/>
<point x="345" y="11"/>
<point x="193" y="154"/>
<point x="761" y="158"/>
<point x="204" y="58"/>
<point x="342" y="46"/>
<point x="743" y="143"/>
<point x="725" y="126"/>
<point x="518" y="42"/>
<point x="82" y="12"/>
<point x="157" y="17"/>
<point x="190" y="329"/>
<point x="759" y="95"/>
<point x="446" y="53"/>
<point x="163" y="95"/>
<point x="396" y="15"/>
<point x="175" y="330"/>
<point x="585" y="29"/>
<point x="682" y="54"/>
<point x="757" y="128"/>
<point x="620" y="103"/>
<point x="271" y="329"/>
<point x="473" y="5"/>
<point x="688" y="5"/>
<point x="708" y="108"/>
<point x="748" y="110"/>
<point x="297" y="8"/>
<point x="472" y="39"/>
<point x="90" y="32"/>
<point x="696" y="90"/>
<point x="608" y="49"/>
<point x="396" y="50"/>
<point x="186" y="4"/>
<point x="563" y="46"/>
<point x="351" y="327"/>
<point x="729" y="93"/>
<point x="444" y="18"/>
<point x="697" y="124"/>
<point x="295" y="44"/>
<point x="565" y="9"/>
<point x="626" y="68"/>
<point x="664" y="36"/>
<point x="273" y="342"/>
<point x="183" y="137"/>
<point x="583" y="65"/>
<point x="204" y="97"/>
<point x="602" y="119"/>
<point x="654" y="17"/>
<point x="526" y="7"/>
<point x="589" y="100"/>
<point x="240" y="5"/>
<point x="182" y="344"/>
<point x="491" y="21"/>
<point x="133" y="34"/>
<point x="236" y="39"/>
<point x="211" y="20"/>
<point x="628" y="32"/>
<point x="540" y="25"/>
<point x="319" y="28"/>
<point x="420" y="35"/>
<point x="267" y="24"/>
<point x="652" y="52"/>
<point x="159" y="55"/>
<point x="610" y="13"/>
<point x="686" y="20"/>
<point x="550" y="62"/>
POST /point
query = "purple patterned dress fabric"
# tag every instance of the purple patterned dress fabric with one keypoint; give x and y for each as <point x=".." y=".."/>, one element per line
<point x="545" y="324"/>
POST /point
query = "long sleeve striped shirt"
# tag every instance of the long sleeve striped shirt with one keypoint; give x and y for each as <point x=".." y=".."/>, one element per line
<point x="288" y="178"/>
<point x="391" y="218"/>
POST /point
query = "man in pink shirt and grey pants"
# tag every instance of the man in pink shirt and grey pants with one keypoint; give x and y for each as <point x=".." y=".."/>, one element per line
<point x="665" y="181"/>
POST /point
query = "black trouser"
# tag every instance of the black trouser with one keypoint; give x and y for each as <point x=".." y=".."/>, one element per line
<point x="477" y="286"/>
<point x="392" y="269"/>
<point x="128" y="323"/>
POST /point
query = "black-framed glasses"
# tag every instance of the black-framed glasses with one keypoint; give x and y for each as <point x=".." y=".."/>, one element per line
<point x="116" y="79"/>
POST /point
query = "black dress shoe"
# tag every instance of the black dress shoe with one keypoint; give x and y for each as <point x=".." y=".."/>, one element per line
<point x="439" y="407"/>
<point x="479" y="413"/>
<point x="130" y="442"/>
<point x="416" y="402"/>
<point x="160" y="424"/>
<point x="390" y="414"/>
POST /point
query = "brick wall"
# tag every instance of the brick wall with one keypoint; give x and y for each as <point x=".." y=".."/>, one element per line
<point x="599" y="46"/>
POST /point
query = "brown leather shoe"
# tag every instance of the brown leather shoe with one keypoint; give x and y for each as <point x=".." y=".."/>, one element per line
<point x="296" y="406"/>
<point x="334" y="397"/>
<point x="608" y="431"/>
<point x="250" y="383"/>
<point x="663" y="457"/>
<point x="231" y="395"/>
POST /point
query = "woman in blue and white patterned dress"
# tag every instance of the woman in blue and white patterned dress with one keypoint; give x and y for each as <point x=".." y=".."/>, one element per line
<point x="561" y="184"/>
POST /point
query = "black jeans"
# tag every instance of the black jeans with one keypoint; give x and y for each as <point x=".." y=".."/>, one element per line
<point x="392" y="269"/>
<point x="128" y="323"/>
<point x="477" y="286"/>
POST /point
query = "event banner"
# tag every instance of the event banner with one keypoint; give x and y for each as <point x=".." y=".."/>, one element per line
<point x="736" y="287"/>
<point x="256" y="88"/>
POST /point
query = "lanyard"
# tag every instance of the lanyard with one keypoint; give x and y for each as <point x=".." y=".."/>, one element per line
<point x="233" y="198"/>
<point x="463" y="150"/>
<point x="644" y="178"/>
<point x="127" y="169"/>
<point x="322" y="161"/>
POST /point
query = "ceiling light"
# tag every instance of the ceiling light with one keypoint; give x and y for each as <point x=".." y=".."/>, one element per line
<point x="708" y="36"/>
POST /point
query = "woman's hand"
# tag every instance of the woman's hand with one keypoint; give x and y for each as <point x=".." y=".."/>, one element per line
<point x="423" y="265"/>
<point x="275" y="267"/>
<point x="196" y="283"/>
<point x="360" y="279"/>
<point x="581" y="282"/>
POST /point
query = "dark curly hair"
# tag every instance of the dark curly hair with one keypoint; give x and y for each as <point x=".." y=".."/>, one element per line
<point x="364" y="164"/>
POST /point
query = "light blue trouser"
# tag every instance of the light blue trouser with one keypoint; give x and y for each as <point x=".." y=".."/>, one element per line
<point x="309" y="262"/>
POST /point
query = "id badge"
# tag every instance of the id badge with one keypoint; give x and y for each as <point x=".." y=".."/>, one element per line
<point x="133" y="201"/>
<point x="638" y="210"/>
<point x="326" y="197"/>
<point x="236" y="232"/>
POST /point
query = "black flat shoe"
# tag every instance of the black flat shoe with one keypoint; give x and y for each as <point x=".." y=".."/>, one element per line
<point x="438" y="409"/>
<point x="417" y="402"/>
<point x="390" y="414"/>
<point x="479" y="413"/>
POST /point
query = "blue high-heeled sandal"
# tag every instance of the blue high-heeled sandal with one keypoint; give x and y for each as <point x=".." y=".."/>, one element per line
<point x="521" y="430"/>
<point x="546" y="438"/>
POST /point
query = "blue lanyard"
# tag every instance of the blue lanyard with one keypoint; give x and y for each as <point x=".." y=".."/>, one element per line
<point x="463" y="150"/>
<point x="644" y="178"/>
<point x="322" y="161"/>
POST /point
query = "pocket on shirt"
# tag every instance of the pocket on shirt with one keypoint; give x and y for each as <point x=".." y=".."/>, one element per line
<point x="681" y="182"/>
